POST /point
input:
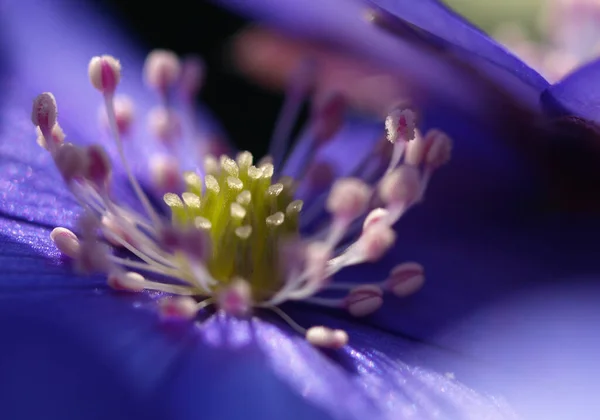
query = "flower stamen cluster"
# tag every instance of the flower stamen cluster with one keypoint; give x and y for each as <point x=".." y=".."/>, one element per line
<point x="233" y="240"/>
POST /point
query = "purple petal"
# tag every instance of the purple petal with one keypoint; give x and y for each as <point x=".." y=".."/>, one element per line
<point x="233" y="367"/>
<point x="576" y="94"/>
<point x="343" y="24"/>
<point x="470" y="42"/>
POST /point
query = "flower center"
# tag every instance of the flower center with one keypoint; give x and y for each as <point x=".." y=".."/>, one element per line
<point x="234" y="240"/>
<point x="246" y="217"/>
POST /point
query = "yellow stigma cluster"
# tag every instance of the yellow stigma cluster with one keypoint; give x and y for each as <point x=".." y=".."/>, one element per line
<point x="246" y="217"/>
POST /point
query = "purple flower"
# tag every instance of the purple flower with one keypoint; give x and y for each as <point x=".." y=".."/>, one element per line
<point x="506" y="275"/>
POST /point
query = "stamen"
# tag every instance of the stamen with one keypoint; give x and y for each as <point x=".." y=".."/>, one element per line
<point x="233" y="239"/>
<point x="66" y="242"/>
<point x="405" y="279"/>
<point x="161" y="69"/>
<point x="105" y="73"/>
<point x="364" y="300"/>
<point x="402" y="186"/>
<point x="236" y="299"/>
<point x="124" y="114"/>
<point x="178" y="308"/>
<point x="130" y="281"/>
<point x="326" y="337"/>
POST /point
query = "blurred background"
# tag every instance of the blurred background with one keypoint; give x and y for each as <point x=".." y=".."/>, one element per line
<point x="241" y="106"/>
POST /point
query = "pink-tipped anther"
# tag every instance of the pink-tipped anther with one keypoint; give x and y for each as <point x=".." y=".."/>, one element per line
<point x="328" y="116"/>
<point x="440" y="149"/>
<point x="66" y="242"/>
<point x="105" y="73"/>
<point x="401" y="186"/>
<point x="99" y="168"/>
<point x="165" y="173"/>
<point x="57" y="137"/>
<point x="375" y="242"/>
<point x="405" y="279"/>
<point x="326" y="337"/>
<point x="400" y="124"/>
<point x="71" y="161"/>
<point x="161" y="69"/>
<point x="164" y="124"/>
<point x="193" y="71"/>
<point x="375" y="216"/>
<point x="349" y="198"/>
<point x="178" y="308"/>
<point x="129" y="281"/>
<point x="364" y="300"/>
<point x="44" y="112"/>
<point x="236" y="299"/>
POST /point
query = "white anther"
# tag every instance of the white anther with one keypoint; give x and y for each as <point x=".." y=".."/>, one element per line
<point x="165" y="172"/>
<point x="44" y="111"/>
<point x="244" y="198"/>
<point x="375" y="242"/>
<point x="237" y="211"/>
<point x="236" y="299"/>
<point x="363" y="300"/>
<point x="178" y="307"/>
<point x="211" y="165"/>
<point x="229" y="165"/>
<point x="104" y="73"/>
<point x="276" y="219"/>
<point x="234" y="184"/>
<point x="66" y="242"/>
<point x="161" y="69"/>
<point x="326" y="337"/>
<point x="349" y="198"/>
<point x="294" y="207"/>
<point x="164" y="124"/>
<point x="244" y="160"/>
<point x="400" y="124"/>
<point x="130" y="281"/>
<point x="57" y="136"/>
<point x="439" y="150"/>
<point x="243" y="232"/>
<point x="401" y="186"/>
<point x="405" y="279"/>
<point x="274" y="190"/>
<point x="212" y="184"/>
<point x="375" y="216"/>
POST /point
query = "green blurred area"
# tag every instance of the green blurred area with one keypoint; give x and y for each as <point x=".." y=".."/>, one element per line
<point x="487" y="14"/>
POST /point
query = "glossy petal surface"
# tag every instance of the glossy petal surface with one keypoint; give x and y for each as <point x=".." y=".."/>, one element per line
<point x="424" y="35"/>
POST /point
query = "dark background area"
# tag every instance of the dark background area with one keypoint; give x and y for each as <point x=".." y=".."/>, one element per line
<point x="246" y="111"/>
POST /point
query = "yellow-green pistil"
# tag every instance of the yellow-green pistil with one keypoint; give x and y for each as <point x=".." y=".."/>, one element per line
<point x="246" y="217"/>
